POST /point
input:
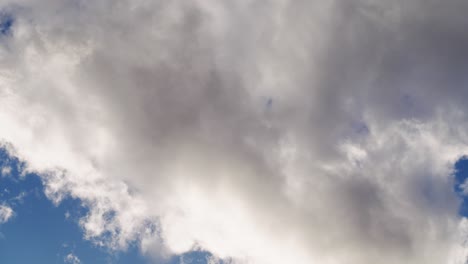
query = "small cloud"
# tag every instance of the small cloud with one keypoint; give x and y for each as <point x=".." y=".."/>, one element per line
<point x="464" y="187"/>
<point x="6" y="171"/>
<point x="72" y="259"/>
<point x="19" y="198"/>
<point x="4" y="192"/>
<point x="5" y="213"/>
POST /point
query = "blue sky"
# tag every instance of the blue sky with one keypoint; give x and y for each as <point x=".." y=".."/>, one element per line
<point x="461" y="176"/>
<point x="40" y="232"/>
<point x="6" y="22"/>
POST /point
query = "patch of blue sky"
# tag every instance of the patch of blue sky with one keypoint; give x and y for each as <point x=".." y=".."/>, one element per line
<point x="41" y="232"/>
<point x="461" y="186"/>
<point x="360" y="128"/>
<point x="6" y="23"/>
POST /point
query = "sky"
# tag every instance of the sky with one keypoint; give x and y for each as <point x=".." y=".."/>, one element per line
<point x="237" y="132"/>
<point x="38" y="231"/>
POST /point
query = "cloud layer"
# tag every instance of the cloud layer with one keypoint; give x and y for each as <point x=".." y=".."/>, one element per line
<point x="266" y="132"/>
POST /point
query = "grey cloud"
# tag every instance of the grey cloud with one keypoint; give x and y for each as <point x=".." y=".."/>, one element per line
<point x="160" y="107"/>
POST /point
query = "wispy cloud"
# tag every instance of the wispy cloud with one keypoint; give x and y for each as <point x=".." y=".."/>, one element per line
<point x="6" y="213"/>
<point x="71" y="259"/>
<point x="5" y="171"/>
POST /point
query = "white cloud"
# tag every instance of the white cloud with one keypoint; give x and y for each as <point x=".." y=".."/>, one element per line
<point x="19" y="198"/>
<point x="6" y="213"/>
<point x="72" y="259"/>
<point x="5" y="171"/>
<point x="153" y="114"/>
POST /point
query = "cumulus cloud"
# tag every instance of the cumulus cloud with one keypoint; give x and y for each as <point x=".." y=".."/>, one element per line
<point x="5" y="213"/>
<point x="262" y="131"/>
<point x="72" y="259"/>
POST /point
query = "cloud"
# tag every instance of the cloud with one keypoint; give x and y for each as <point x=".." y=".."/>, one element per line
<point x="263" y="132"/>
<point x="72" y="259"/>
<point x="6" y="213"/>
<point x="5" y="171"/>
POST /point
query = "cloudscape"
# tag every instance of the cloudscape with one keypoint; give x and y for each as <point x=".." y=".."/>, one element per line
<point x="244" y="131"/>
